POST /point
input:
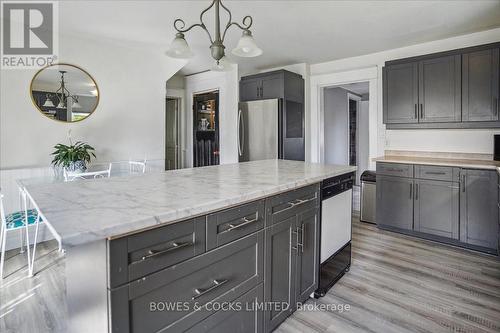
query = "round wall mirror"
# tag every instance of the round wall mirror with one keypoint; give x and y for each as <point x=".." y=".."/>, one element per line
<point x="64" y="92"/>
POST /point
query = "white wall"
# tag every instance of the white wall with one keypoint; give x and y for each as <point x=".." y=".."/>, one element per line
<point x="128" y="122"/>
<point x="227" y="84"/>
<point x="466" y="141"/>
<point x="336" y="126"/>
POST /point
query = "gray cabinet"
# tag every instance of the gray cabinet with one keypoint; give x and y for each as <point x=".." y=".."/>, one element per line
<point x="480" y="76"/>
<point x="436" y="208"/>
<point x="307" y="254"/>
<point x="271" y="86"/>
<point x="247" y="318"/>
<point x="401" y="93"/>
<point x="452" y="89"/>
<point x="250" y="90"/>
<point x="479" y="208"/>
<point x="292" y="249"/>
<point x="439" y="89"/>
<point x="395" y="202"/>
<point x="280" y="271"/>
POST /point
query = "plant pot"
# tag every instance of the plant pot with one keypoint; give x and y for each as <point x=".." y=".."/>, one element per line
<point x="76" y="166"/>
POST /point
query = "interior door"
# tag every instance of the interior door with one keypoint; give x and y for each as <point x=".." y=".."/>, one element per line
<point x="172" y="134"/>
<point x="440" y="90"/>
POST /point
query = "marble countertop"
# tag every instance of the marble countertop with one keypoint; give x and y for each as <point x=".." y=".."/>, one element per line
<point x="95" y="209"/>
<point x="453" y="162"/>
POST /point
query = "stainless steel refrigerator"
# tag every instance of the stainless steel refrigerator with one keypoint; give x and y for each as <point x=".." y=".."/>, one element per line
<point x="263" y="134"/>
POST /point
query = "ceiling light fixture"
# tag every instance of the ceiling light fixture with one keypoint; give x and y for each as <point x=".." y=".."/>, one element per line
<point x="62" y="94"/>
<point x="246" y="46"/>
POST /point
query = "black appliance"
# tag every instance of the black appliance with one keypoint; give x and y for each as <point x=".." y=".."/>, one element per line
<point x="496" y="147"/>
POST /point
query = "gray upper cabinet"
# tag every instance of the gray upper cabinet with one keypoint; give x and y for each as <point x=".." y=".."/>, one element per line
<point x="439" y="89"/>
<point x="395" y="202"/>
<point x="401" y="93"/>
<point x="271" y="86"/>
<point x="250" y="90"/>
<point x="275" y="84"/>
<point x="437" y="208"/>
<point x="480" y="75"/>
<point x="478" y="208"/>
<point x="452" y="89"/>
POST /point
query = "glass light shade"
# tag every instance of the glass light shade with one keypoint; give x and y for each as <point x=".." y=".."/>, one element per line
<point x="60" y="105"/>
<point x="179" y="48"/>
<point x="223" y="65"/>
<point x="48" y="103"/>
<point x="76" y="105"/>
<point x="246" y="46"/>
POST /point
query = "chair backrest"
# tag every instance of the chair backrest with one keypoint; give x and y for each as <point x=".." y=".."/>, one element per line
<point x="70" y="176"/>
<point x="3" y="220"/>
<point x="137" y="166"/>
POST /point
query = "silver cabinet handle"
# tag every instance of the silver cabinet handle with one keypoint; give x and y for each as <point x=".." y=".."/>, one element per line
<point x="416" y="111"/>
<point x="435" y="173"/>
<point x="245" y="222"/>
<point x="155" y="253"/>
<point x="411" y="190"/>
<point x="394" y="170"/>
<point x="200" y="292"/>
<point x="295" y="203"/>
<point x="301" y="244"/>
<point x="416" y="191"/>
<point x="421" y="111"/>
<point x="463" y="183"/>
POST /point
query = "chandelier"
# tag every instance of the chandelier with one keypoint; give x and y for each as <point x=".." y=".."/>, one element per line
<point x="62" y="94"/>
<point x="246" y="46"/>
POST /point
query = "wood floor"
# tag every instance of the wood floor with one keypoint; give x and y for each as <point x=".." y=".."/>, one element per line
<point x="396" y="284"/>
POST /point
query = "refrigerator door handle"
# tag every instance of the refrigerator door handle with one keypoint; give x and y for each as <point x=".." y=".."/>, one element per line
<point x="241" y="132"/>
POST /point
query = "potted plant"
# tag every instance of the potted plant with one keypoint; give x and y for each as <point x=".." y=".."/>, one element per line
<point x="74" y="157"/>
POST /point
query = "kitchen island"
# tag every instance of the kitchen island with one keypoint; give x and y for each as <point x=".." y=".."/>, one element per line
<point x="165" y="251"/>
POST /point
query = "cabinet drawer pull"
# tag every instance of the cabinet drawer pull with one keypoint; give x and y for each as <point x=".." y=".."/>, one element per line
<point x="301" y="244"/>
<point x="416" y="191"/>
<point x="463" y="183"/>
<point x="435" y="173"/>
<point x="295" y="203"/>
<point x="155" y="253"/>
<point x="394" y="170"/>
<point x="411" y="190"/>
<point x="200" y="292"/>
<point x="245" y="222"/>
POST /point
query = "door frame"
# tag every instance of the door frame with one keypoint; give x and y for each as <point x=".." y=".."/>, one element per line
<point x="179" y="95"/>
<point x="357" y="99"/>
<point x="316" y="136"/>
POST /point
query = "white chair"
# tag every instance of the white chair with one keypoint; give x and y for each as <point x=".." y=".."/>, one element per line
<point x="13" y="222"/>
<point x="137" y="166"/>
<point x="70" y="176"/>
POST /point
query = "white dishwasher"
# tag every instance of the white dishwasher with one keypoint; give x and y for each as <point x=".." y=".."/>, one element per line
<point x="335" y="230"/>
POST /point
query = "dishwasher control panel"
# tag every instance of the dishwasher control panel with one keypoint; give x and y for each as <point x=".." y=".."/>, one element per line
<point x="336" y="185"/>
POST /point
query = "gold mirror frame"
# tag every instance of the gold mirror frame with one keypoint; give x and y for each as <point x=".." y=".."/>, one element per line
<point x="98" y="96"/>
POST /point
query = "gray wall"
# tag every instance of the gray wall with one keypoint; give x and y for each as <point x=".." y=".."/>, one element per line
<point x="336" y="127"/>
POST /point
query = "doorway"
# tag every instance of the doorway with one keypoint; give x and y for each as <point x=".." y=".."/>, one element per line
<point x="206" y="128"/>
<point x="172" y="133"/>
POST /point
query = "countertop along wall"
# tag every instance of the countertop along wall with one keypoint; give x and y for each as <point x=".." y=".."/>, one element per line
<point x="456" y="140"/>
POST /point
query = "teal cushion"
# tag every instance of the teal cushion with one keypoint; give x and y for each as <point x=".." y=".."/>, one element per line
<point x="16" y="220"/>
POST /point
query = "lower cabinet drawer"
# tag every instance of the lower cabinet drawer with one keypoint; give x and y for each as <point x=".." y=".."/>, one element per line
<point x="283" y="206"/>
<point x="245" y="318"/>
<point x="434" y="172"/>
<point x="395" y="169"/>
<point x="138" y="255"/>
<point x="234" y="223"/>
<point x="174" y="299"/>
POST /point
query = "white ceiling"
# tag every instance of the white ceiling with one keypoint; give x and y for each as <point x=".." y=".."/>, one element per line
<point x="288" y="31"/>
